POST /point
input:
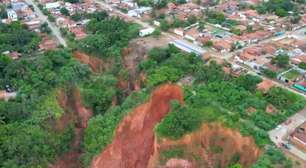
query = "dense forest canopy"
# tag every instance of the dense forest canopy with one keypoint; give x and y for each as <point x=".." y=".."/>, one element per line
<point x="16" y="37"/>
<point x="26" y="138"/>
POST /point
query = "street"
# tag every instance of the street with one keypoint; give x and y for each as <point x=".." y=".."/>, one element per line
<point x="55" y="30"/>
<point x="280" y="134"/>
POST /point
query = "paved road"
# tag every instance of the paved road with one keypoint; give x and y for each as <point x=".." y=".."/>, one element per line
<point x="280" y="134"/>
<point x="55" y="30"/>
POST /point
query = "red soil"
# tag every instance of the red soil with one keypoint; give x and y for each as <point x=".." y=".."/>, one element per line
<point x="80" y="115"/>
<point x="96" y="64"/>
<point x="133" y="143"/>
<point x="200" y="143"/>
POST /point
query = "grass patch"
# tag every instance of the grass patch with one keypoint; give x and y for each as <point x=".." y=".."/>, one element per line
<point x="291" y="75"/>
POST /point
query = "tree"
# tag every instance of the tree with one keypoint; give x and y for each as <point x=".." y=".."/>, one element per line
<point x="191" y="19"/>
<point x="99" y="94"/>
<point x="72" y="1"/>
<point x="249" y="82"/>
<point x="282" y="60"/>
<point x="235" y="31"/>
<point x="179" y="121"/>
<point x="295" y="19"/>
<point x="208" y="43"/>
<point x="269" y="73"/>
<point x="164" y="26"/>
<point x="281" y="12"/>
<point x="302" y="65"/>
<point x="158" y="54"/>
<point x="156" y="33"/>
<point x="44" y="28"/>
<point x="64" y="11"/>
<point x="76" y="17"/>
<point x="51" y="18"/>
<point x="250" y="29"/>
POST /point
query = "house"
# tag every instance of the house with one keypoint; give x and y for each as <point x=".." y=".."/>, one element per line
<point x="298" y="137"/>
<point x="192" y="34"/>
<point x="65" y="22"/>
<point x="18" y="6"/>
<point x="78" y="32"/>
<point x="14" y="55"/>
<point x="265" y="85"/>
<point x="299" y="59"/>
<point x="222" y="46"/>
<point x="258" y="63"/>
<point x="47" y="44"/>
<point x="33" y="24"/>
<point x="179" y="31"/>
<point x="12" y="15"/>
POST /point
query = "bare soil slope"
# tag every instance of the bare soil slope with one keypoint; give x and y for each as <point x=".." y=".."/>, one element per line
<point x="133" y="143"/>
<point x="213" y="145"/>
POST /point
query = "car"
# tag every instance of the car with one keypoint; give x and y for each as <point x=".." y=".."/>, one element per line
<point x="287" y="122"/>
<point x="279" y="127"/>
<point x="8" y="88"/>
<point x="285" y="145"/>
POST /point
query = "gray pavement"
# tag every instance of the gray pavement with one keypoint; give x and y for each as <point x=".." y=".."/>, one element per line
<point x="281" y="133"/>
<point x="55" y="30"/>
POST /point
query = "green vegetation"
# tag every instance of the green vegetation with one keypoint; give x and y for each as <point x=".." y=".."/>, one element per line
<point x="272" y="157"/>
<point x="215" y="17"/>
<point x="99" y="92"/>
<point x="279" y="7"/>
<point x="292" y="74"/>
<point x="16" y="37"/>
<point x="107" y="36"/>
<point x="182" y="120"/>
<point x="208" y="44"/>
<point x="302" y="65"/>
<point x="217" y="97"/>
<point x="72" y="1"/>
<point x="27" y="138"/>
<point x="64" y="11"/>
<point x="269" y="73"/>
<point x="44" y="28"/>
<point x="101" y="128"/>
<point x="281" y="60"/>
<point x="168" y="64"/>
<point x="174" y="152"/>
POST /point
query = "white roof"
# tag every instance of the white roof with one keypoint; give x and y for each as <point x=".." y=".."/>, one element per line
<point x="52" y="5"/>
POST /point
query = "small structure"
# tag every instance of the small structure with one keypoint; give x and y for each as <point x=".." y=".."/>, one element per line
<point x="146" y="31"/>
<point x="300" y="86"/>
<point x="53" y="5"/>
<point x="12" y="15"/>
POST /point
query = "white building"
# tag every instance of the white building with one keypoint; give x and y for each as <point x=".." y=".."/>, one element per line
<point x="146" y="31"/>
<point x="53" y="5"/>
<point x="12" y="15"/>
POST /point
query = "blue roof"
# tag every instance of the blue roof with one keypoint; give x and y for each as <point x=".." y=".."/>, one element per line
<point x="19" y="5"/>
